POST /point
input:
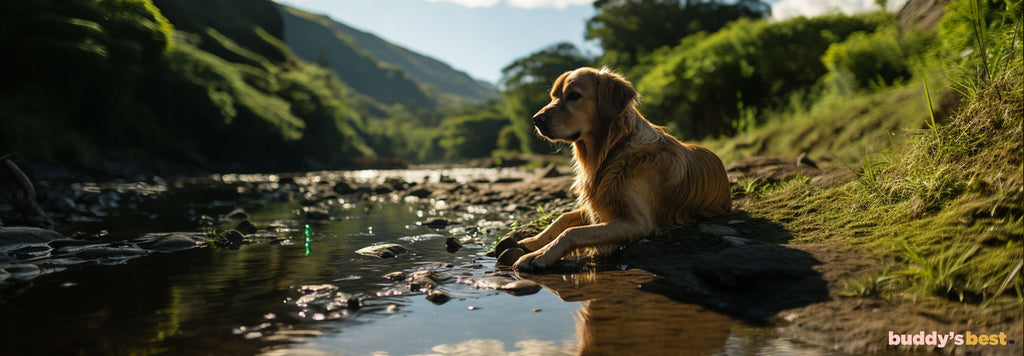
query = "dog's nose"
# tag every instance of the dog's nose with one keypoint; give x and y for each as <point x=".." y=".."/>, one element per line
<point x="540" y="119"/>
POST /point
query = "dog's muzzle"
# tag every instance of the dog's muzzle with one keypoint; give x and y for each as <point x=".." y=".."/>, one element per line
<point x="540" y="121"/>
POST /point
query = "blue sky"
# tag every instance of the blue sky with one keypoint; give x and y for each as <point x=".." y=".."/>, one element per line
<point x="482" y="36"/>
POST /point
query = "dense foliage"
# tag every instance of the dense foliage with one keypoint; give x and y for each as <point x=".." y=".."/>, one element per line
<point x="629" y="30"/>
<point x="713" y="84"/>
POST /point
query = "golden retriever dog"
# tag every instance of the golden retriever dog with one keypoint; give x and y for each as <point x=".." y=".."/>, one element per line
<point x="631" y="178"/>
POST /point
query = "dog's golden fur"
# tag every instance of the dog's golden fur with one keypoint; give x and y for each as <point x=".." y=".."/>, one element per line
<point x="632" y="178"/>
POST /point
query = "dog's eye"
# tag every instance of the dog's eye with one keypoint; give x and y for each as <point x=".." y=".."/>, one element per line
<point x="573" y="96"/>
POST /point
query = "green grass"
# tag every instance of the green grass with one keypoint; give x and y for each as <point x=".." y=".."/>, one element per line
<point x="945" y="205"/>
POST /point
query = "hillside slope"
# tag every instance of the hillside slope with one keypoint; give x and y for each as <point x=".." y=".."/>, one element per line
<point x="317" y="38"/>
<point x="209" y="84"/>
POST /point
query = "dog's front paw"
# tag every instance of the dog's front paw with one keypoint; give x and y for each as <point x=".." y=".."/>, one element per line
<point x="536" y="260"/>
<point x="532" y="243"/>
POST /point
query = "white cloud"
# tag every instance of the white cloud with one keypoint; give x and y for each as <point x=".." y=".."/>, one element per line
<point x="471" y="3"/>
<point x="785" y="9"/>
<point x="525" y="4"/>
<point x="558" y="4"/>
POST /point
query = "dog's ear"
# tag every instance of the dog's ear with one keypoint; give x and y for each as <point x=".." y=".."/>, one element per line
<point x="556" y="89"/>
<point x="614" y="95"/>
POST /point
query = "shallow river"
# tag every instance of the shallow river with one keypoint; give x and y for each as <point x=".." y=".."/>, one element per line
<point x="273" y="296"/>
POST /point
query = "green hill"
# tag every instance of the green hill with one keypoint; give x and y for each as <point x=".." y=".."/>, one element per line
<point x="317" y="38"/>
<point x="210" y="83"/>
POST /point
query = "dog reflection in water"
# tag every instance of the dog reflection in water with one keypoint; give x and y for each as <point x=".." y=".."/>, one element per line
<point x="627" y="313"/>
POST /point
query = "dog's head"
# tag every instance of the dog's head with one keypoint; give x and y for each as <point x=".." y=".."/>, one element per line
<point x="583" y="101"/>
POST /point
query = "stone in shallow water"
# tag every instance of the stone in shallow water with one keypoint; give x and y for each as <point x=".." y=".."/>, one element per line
<point x="17" y="235"/>
<point x="246" y="227"/>
<point x="452" y="244"/>
<point x="395" y="276"/>
<point x="169" y="243"/>
<point x="22" y="271"/>
<point x="108" y="254"/>
<point x="521" y="287"/>
<point x="438" y="223"/>
<point x="382" y="250"/>
<point x="32" y="251"/>
<point x="438" y="297"/>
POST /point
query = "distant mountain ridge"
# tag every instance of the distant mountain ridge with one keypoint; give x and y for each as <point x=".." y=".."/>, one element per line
<point x="348" y="51"/>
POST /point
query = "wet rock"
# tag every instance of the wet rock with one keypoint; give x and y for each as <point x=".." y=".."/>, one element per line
<point x="438" y="297"/>
<point x="32" y="251"/>
<point x="17" y="235"/>
<point x="505" y="243"/>
<point x="382" y="250"/>
<point x="510" y="256"/>
<point x="246" y="227"/>
<point x="205" y="220"/>
<point x="67" y="246"/>
<point x="232" y="237"/>
<point x="343" y="188"/>
<point x="521" y="287"/>
<point x="438" y="223"/>
<point x="345" y="301"/>
<point x="169" y="243"/>
<point x="4" y="275"/>
<point x="420" y="192"/>
<point x="317" y="288"/>
<point x="395" y="276"/>
<point x="237" y="214"/>
<point x="452" y="244"/>
<point x="492" y="282"/>
<point x="317" y="214"/>
<point x="423" y="280"/>
<point x="717" y="230"/>
<point x="511" y="285"/>
<point x="22" y="272"/>
<point x="107" y="253"/>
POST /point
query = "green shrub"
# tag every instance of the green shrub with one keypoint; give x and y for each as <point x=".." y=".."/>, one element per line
<point x="864" y="61"/>
<point x="699" y="87"/>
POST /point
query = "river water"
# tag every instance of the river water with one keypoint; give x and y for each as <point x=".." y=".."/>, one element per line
<point x="274" y="296"/>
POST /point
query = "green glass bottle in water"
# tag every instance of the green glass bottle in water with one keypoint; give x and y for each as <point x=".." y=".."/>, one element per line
<point x="308" y="239"/>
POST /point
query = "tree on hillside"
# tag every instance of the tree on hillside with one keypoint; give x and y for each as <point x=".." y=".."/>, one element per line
<point x="525" y="85"/>
<point x="630" y="29"/>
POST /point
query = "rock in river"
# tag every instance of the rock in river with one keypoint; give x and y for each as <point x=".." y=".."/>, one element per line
<point x="18" y="235"/>
<point x="382" y="250"/>
<point x="438" y="223"/>
<point x="167" y="242"/>
<point x="438" y="297"/>
<point x="508" y="284"/>
<point x="246" y="227"/>
<point x="22" y="272"/>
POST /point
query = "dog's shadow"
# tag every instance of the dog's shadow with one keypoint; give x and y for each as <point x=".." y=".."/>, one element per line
<point x="733" y="264"/>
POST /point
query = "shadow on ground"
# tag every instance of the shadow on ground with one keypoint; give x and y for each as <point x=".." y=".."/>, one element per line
<point x="742" y="271"/>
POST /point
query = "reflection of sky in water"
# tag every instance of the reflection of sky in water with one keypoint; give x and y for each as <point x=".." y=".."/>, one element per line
<point x="500" y="324"/>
